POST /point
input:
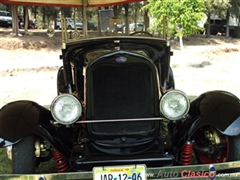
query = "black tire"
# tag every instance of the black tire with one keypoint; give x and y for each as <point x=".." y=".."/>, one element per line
<point x="234" y="151"/>
<point x="23" y="156"/>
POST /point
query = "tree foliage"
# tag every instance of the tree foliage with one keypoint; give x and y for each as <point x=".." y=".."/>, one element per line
<point x="3" y="7"/>
<point x="235" y="7"/>
<point x="215" y="7"/>
<point x="235" y="11"/>
<point x="183" y="14"/>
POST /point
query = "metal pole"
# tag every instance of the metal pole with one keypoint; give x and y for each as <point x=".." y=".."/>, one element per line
<point x="165" y="27"/>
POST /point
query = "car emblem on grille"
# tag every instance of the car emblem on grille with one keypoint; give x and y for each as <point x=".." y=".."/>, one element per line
<point x="121" y="59"/>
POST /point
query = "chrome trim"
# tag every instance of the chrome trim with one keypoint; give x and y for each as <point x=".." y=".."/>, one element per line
<point x="116" y="120"/>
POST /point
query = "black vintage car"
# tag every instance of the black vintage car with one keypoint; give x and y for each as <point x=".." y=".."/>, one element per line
<point x="117" y="106"/>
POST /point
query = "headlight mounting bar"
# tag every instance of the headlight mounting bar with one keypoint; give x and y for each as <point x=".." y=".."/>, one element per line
<point x="116" y="120"/>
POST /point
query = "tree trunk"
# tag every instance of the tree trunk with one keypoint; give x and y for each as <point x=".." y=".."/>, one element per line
<point x="43" y="18"/>
<point x="146" y="19"/>
<point x="99" y="24"/>
<point x="135" y="16"/>
<point x="35" y="12"/>
<point x="227" y="23"/>
<point x="55" y="18"/>
<point x="181" y="43"/>
<point x="208" y="26"/>
<point x="238" y="28"/>
<point x="26" y="19"/>
<point x="126" y="7"/>
<point x="115" y="13"/>
<point x="15" y="28"/>
<point x="85" y="33"/>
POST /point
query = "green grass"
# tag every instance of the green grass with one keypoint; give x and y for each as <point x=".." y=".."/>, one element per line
<point x="5" y="164"/>
<point x="5" y="167"/>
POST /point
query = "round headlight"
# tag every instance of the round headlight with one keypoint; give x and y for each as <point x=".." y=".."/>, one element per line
<point x="66" y="109"/>
<point x="174" y="105"/>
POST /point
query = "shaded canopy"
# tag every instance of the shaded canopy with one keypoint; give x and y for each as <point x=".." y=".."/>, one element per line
<point x="69" y="3"/>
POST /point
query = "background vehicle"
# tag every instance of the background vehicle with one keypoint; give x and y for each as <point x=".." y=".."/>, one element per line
<point x="5" y="19"/>
<point x="91" y="25"/>
<point x="219" y="26"/>
<point x="120" y="27"/>
<point x="134" y="27"/>
<point x="79" y="24"/>
<point x="117" y="106"/>
<point x="31" y="24"/>
<point x="70" y="24"/>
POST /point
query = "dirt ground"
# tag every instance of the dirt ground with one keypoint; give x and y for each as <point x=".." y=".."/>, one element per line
<point x="29" y="64"/>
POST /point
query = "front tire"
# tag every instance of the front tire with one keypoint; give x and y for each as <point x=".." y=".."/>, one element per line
<point x="23" y="156"/>
<point x="234" y="151"/>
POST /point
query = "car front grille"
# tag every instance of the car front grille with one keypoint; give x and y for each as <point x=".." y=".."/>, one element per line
<point x="122" y="92"/>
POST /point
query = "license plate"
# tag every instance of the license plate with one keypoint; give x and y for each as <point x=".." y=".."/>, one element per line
<point x="128" y="172"/>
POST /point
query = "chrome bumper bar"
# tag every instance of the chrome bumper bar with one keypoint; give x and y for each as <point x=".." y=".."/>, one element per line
<point x="172" y="172"/>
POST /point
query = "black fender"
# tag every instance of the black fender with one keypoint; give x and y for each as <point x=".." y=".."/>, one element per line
<point x="171" y="81"/>
<point x="219" y="109"/>
<point x="61" y="86"/>
<point x="5" y="143"/>
<point x="22" y="118"/>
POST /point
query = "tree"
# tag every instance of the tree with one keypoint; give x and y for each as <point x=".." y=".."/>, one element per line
<point x="92" y="13"/>
<point x="235" y="11"/>
<point x="48" y="15"/>
<point x="136" y="12"/>
<point x="3" y="7"/>
<point x="181" y="13"/>
<point x="183" y="16"/>
<point x="126" y="7"/>
<point x="215" y="7"/>
<point x="66" y="12"/>
<point x="26" y="19"/>
<point x="235" y="7"/>
<point x="15" y="28"/>
<point x="146" y="18"/>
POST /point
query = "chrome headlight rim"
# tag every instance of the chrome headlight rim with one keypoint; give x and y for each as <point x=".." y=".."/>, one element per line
<point x="184" y="113"/>
<point x="57" y="100"/>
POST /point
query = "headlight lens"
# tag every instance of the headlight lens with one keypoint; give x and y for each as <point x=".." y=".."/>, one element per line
<point x="174" y="105"/>
<point x="66" y="109"/>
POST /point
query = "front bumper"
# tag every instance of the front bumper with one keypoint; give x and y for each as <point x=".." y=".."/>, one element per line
<point x="173" y="172"/>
